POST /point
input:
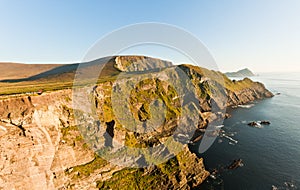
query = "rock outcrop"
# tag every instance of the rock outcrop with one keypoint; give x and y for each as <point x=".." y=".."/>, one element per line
<point x="249" y="92"/>
<point x="139" y="63"/>
<point x="56" y="140"/>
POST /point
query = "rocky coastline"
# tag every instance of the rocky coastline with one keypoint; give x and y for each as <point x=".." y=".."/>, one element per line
<point x="42" y="146"/>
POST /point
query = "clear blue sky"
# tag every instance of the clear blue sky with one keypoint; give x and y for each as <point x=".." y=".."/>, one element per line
<point x="263" y="35"/>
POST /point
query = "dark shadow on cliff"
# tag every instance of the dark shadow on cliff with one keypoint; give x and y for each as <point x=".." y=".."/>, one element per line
<point x="109" y="135"/>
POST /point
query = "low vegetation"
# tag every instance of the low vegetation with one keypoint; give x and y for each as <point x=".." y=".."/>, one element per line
<point x="85" y="170"/>
<point x="158" y="177"/>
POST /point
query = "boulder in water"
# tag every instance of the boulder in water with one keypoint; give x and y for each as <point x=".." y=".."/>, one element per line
<point x="253" y="123"/>
<point x="265" y="122"/>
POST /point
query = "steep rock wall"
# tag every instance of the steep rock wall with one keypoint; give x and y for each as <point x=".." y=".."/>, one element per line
<point x="42" y="148"/>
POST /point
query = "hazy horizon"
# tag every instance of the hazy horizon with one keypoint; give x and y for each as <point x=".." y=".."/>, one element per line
<point x="175" y="63"/>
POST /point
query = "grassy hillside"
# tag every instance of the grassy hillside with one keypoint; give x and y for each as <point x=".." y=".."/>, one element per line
<point x="33" y="77"/>
<point x="23" y="78"/>
<point x="19" y="70"/>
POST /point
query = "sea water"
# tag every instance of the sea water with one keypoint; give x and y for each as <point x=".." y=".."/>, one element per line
<point x="270" y="153"/>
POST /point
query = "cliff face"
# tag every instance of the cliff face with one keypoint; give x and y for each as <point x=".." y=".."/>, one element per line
<point x="139" y="63"/>
<point x="43" y="144"/>
<point x="52" y="153"/>
<point x="251" y="91"/>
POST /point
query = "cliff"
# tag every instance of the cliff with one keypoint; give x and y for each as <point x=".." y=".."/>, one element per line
<point x="51" y="142"/>
<point x="51" y="153"/>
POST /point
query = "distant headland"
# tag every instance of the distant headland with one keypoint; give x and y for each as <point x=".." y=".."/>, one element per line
<point x="241" y="73"/>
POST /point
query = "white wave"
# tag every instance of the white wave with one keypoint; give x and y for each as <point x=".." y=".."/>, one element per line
<point x="231" y="139"/>
<point x="214" y="128"/>
<point x="274" y="187"/>
<point x="246" y="106"/>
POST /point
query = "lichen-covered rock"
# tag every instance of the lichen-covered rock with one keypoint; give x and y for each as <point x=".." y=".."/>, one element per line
<point x="185" y="171"/>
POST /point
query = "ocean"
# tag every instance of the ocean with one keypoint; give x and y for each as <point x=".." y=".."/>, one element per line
<point x="270" y="154"/>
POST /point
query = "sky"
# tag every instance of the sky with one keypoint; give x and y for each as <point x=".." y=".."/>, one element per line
<point x="262" y="35"/>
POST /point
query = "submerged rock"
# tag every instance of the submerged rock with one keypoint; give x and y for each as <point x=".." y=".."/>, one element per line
<point x="227" y="115"/>
<point x="259" y="123"/>
<point x="265" y="122"/>
<point x="236" y="164"/>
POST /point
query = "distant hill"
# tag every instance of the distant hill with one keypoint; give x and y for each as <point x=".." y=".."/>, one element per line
<point x="20" y="70"/>
<point x="241" y="73"/>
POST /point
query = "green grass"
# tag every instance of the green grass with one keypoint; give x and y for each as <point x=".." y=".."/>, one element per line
<point x="7" y="88"/>
<point x="89" y="168"/>
<point x="160" y="177"/>
<point x="131" y="178"/>
<point x="219" y="78"/>
<point x="34" y="86"/>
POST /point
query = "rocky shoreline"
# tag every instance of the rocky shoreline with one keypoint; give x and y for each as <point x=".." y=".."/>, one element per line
<point x="51" y="152"/>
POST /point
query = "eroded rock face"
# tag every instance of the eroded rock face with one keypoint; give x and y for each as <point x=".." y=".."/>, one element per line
<point x="254" y="91"/>
<point x="50" y="152"/>
<point x="35" y="161"/>
<point x="53" y="153"/>
<point x="139" y="63"/>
